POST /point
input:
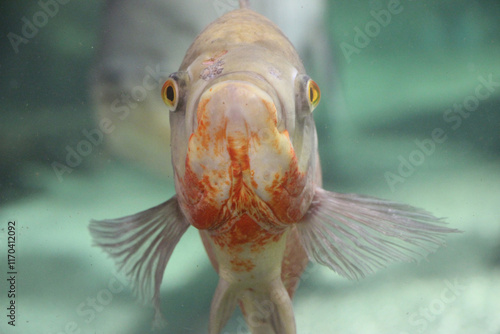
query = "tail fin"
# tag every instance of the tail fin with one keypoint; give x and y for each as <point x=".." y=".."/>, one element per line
<point x="267" y="308"/>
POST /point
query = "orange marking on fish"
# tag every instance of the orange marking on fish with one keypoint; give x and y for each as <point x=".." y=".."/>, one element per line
<point x="242" y="265"/>
<point x="272" y="111"/>
<point x="200" y="204"/>
<point x="245" y="231"/>
<point x="238" y="152"/>
<point x="255" y="185"/>
<point x="285" y="193"/>
<point x="203" y="124"/>
<point x="205" y="134"/>
<point x="213" y="59"/>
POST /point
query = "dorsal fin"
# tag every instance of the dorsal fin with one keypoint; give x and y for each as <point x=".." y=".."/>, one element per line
<point x="244" y="3"/>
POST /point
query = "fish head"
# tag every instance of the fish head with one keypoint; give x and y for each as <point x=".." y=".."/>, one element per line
<point x="243" y="138"/>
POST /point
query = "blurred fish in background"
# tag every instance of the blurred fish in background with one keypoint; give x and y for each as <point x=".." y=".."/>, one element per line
<point x="143" y="42"/>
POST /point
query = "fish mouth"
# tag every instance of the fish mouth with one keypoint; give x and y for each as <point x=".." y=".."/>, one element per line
<point x="235" y="118"/>
<point x="239" y="161"/>
<point x="239" y="105"/>
<point x="243" y="81"/>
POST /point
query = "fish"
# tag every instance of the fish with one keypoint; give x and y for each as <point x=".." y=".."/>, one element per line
<point x="139" y="43"/>
<point x="247" y="175"/>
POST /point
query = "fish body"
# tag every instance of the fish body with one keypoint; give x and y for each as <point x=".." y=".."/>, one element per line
<point x="247" y="176"/>
<point x="244" y="160"/>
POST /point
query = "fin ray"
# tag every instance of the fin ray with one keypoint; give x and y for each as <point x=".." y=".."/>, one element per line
<point x="354" y="234"/>
<point x="141" y="246"/>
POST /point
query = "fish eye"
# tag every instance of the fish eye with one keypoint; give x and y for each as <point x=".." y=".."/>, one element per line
<point x="307" y="95"/>
<point x="169" y="94"/>
<point x="313" y="94"/>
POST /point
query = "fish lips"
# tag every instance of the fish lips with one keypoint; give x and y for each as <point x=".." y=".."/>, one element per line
<point x="243" y="96"/>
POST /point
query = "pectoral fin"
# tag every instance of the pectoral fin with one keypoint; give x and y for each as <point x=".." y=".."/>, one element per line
<point x="354" y="235"/>
<point x="141" y="246"/>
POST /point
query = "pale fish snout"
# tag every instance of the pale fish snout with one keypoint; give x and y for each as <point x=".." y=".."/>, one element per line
<point x="239" y="106"/>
